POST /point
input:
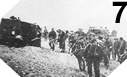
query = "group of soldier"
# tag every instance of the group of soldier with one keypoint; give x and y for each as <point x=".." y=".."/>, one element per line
<point x="89" y="49"/>
<point x="56" y="36"/>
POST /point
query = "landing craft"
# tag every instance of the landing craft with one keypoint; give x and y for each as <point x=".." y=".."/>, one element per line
<point x="17" y="33"/>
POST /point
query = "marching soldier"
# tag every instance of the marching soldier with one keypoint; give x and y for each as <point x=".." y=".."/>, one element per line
<point x="52" y="37"/>
<point x="93" y="53"/>
<point x="72" y="40"/>
<point x="61" y="40"/>
<point x="115" y="49"/>
<point x="101" y="42"/>
<point x="108" y="45"/>
<point x="77" y="49"/>
<point x="45" y="33"/>
<point x="122" y="47"/>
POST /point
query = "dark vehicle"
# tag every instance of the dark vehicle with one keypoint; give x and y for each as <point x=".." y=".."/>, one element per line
<point x="17" y="33"/>
<point x="99" y="32"/>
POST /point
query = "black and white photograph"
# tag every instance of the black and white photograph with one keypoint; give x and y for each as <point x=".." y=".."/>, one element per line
<point x="64" y="38"/>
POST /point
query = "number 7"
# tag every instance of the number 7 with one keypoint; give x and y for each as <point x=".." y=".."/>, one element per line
<point x="123" y="4"/>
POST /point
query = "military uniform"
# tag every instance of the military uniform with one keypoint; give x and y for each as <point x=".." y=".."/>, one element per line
<point x="61" y="40"/>
<point x="115" y="49"/>
<point x="108" y="44"/>
<point x="122" y="47"/>
<point x="52" y="37"/>
<point x="45" y="33"/>
<point x="93" y="54"/>
<point x="77" y="50"/>
<point x="105" y="57"/>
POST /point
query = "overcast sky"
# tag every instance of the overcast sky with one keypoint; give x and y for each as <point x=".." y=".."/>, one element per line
<point x="69" y="14"/>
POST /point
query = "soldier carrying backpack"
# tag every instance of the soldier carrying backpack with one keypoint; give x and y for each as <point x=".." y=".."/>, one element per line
<point x="93" y="54"/>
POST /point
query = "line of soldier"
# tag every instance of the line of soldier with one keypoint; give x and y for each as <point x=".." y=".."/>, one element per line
<point x="117" y="48"/>
<point x="94" y="49"/>
<point x="97" y="49"/>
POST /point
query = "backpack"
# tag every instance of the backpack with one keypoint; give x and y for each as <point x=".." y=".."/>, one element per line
<point x="97" y="51"/>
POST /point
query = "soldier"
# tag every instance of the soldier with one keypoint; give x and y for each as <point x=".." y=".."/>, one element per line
<point x="122" y="47"/>
<point x="66" y="34"/>
<point x="71" y="40"/>
<point x="52" y="38"/>
<point x="45" y="33"/>
<point x="93" y="54"/>
<point x="61" y="40"/>
<point x="107" y="51"/>
<point x="77" y="49"/>
<point x="105" y="58"/>
<point x="115" y="49"/>
<point x="108" y="45"/>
